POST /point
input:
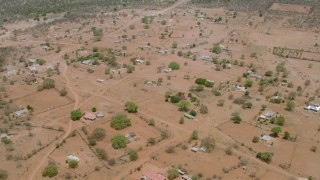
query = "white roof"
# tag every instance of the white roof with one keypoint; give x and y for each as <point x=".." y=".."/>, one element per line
<point x="3" y="135"/>
<point x="73" y="158"/>
<point x="266" y="138"/>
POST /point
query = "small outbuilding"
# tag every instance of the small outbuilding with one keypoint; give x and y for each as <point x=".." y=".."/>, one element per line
<point x="100" y="115"/>
<point x="90" y="116"/>
<point x="72" y="158"/>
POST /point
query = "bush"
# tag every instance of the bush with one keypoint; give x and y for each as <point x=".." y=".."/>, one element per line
<point x="290" y="106"/>
<point x="228" y="151"/>
<point x="76" y="114"/>
<point x="248" y="83"/>
<point x="101" y="154"/>
<point x="111" y="161"/>
<point x="119" y="141"/>
<point x="151" y="122"/>
<point x="268" y="73"/>
<point x="209" y="143"/>
<point x="247" y="105"/>
<point x="216" y="48"/>
<point x="152" y="141"/>
<point x="92" y="142"/>
<point x="170" y="149"/>
<point x="313" y="148"/>
<point x="63" y="92"/>
<point x="181" y="121"/>
<point x="286" y="135"/>
<point x="255" y="139"/>
<point x="239" y="101"/>
<point x="236" y="119"/>
<point x="276" y="131"/>
<point x="5" y="140"/>
<point x="184" y="105"/>
<point x="133" y="155"/>
<point x="174" y="99"/>
<point x="193" y="112"/>
<point x="172" y="174"/>
<point x="48" y="83"/>
<point x="120" y="121"/>
<point x="50" y="170"/>
<point x="203" y="109"/>
<point x="281" y="120"/>
<point x="201" y="81"/>
<point x="195" y="135"/>
<point x="73" y="164"/>
<point x="3" y="174"/>
<point x="265" y="156"/>
<point x="98" y="134"/>
<point x="131" y="107"/>
<point x="94" y="109"/>
<point x="174" y="65"/>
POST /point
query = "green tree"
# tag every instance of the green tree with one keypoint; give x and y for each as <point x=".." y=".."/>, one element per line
<point x="94" y="109"/>
<point x="203" y="109"/>
<point x="184" y="105"/>
<point x="276" y="131"/>
<point x="280" y="120"/>
<point x="174" y="45"/>
<point x="268" y="73"/>
<point x="73" y="164"/>
<point x="216" y="49"/>
<point x="181" y="121"/>
<point x="290" y="106"/>
<point x="195" y="135"/>
<point x="248" y="83"/>
<point x="50" y="170"/>
<point x="120" y="121"/>
<point x="201" y="81"/>
<point x="131" y="107"/>
<point x="63" y="92"/>
<point x="102" y="154"/>
<point x="193" y="112"/>
<point x="76" y="114"/>
<point x="99" y="134"/>
<point x="172" y="174"/>
<point x="133" y="155"/>
<point x="95" y="49"/>
<point x="255" y="139"/>
<point x="265" y="156"/>
<point x="3" y="174"/>
<point x="119" y="141"/>
<point x="236" y="119"/>
<point x="286" y="135"/>
<point x="48" y="83"/>
<point x="174" y="65"/>
<point x="209" y="143"/>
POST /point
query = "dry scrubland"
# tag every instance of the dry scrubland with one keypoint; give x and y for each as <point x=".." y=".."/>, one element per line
<point x="156" y="66"/>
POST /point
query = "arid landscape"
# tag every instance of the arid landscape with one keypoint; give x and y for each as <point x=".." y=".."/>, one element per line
<point x="154" y="90"/>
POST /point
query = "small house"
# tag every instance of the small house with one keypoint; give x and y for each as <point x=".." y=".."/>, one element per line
<point x="87" y="62"/>
<point x="4" y="136"/>
<point x="100" y="80"/>
<point x="267" y="116"/>
<point x="185" y="177"/>
<point x="313" y="107"/>
<point x="139" y="61"/>
<point x="205" y="58"/>
<point x="72" y="158"/>
<point x="90" y="116"/>
<point x="181" y="172"/>
<point x="189" y="116"/>
<point x="20" y="112"/>
<point x="100" y="115"/>
<point x="153" y="176"/>
<point x="167" y="70"/>
<point x="266" y="138"/>
<point x="194" y="149"/>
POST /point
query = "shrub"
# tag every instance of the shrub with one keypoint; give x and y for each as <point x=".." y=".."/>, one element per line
<point x="216" y="48"/>
<point x="3" y="174"/>
<point x="255" y="139"/>
<point x="281" y="120"/>
<point x="313" y="148"/>
<point x="228" y="151"/>
<point x="286" y="135"/>
<point x="174" y="65"/>
<point x="133" y="155"/>
<point x="131" y="107"/>
<point x="247" y="105"/>
<point x="50" y="170"/>
<point x="209" y="143"/>
<point x="48" y="83"/>
<point x="193" y="112"/>
<point x="265" y="156"/>
<point x="170" y="149"/>
<point x="151" y="122"/>
<point x="248" y="83"/>
<point x="216" y="92"/>
<point x="203" y="109"/>
<point x="152" y="141"/>
<point x="63" y="92"/>
<point x="92" y="142"/>
<point x="172" y="174"/>
<point x="111" y="161"/>
<point x="194" y="135"/>
<point x="268" y="73"/>
<point x="174" y="99"/>
<point x="120" y="121"/>
<point x="119" y="141"/>
<point x="276" y="131"/>
<point x="181" y="121"/>
<point x="99" y="134"/>
<point x="236" y="119"/>
<point x="290" y="106"/>
<point x="5" y="140"/>
<point x="102" y="154"/>
<point x="76" y="114"/>
<point x="184" y="105"/>
<point x="201" y="81"/>
<point x="73" y="164"/>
